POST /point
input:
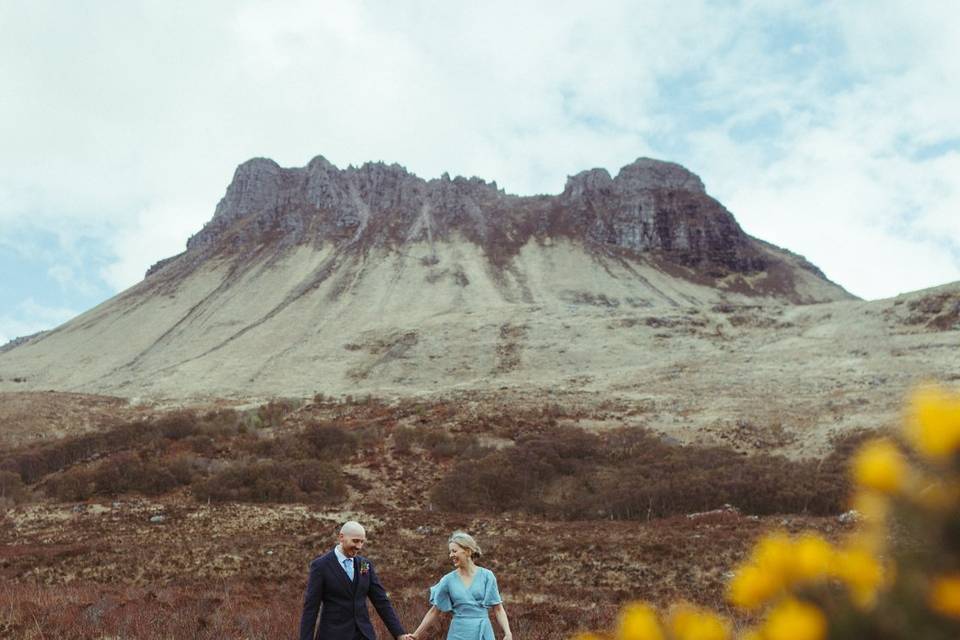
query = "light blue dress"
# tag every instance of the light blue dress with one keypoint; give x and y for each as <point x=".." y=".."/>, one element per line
<point x="469" y="606"/>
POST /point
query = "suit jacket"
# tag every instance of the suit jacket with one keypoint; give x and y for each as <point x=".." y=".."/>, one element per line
<point x="344" y="602"/>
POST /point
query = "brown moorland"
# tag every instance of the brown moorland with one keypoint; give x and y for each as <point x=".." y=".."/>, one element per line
<point x="195" y="522"/>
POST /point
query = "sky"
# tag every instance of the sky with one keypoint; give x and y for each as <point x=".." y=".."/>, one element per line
<point x="828" y="128"/>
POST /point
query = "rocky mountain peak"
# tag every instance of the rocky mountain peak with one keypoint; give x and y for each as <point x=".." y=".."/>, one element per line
<point x="587" y="182"/>
<point x="646" y="174"/>
<point x="651" y="208"/>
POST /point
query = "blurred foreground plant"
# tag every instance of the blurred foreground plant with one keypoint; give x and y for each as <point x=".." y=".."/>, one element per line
<point x="896" y="577"/>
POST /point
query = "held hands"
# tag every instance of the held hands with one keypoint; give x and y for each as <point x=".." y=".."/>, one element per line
<point x="407" y="636"/>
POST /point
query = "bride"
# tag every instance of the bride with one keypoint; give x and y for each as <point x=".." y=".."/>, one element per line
<point x="468" y="591"/>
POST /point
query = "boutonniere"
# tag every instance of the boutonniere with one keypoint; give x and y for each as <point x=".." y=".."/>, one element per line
<point x="364" y="567"/>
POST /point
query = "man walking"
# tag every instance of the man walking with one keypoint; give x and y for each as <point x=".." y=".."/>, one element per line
<point x="341" y="581"/>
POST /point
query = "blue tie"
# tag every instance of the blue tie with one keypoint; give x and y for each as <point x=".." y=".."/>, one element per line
<point x="348" y="567"/>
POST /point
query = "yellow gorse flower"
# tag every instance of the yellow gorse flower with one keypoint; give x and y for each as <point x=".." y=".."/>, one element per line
<point x="795" y="620"/>
<point x="779" y="563"/>
<point x="774" y="553"/>
<point x="880" y="466"/>
<point x="945" y="596"/>
<point x="934" y="424"/>
<point x="752" y="587"/>
<point x="692" y="623"/>
<point x="813" y="558"/>
<point x="638" y="621"/>
<point x="861" y="572"/>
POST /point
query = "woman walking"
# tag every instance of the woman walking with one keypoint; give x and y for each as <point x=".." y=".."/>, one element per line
<point x="468" y="592"/>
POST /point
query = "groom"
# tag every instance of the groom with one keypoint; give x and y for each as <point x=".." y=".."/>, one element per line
<point x="341" y="581"/>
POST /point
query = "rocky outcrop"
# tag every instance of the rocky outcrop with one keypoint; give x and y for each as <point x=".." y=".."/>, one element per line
<point x="650" y="206"/>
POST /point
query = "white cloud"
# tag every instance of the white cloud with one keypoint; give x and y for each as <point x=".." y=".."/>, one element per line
<point x="158" y="231"/>
<point x="127" y="119"/>
<point x="29" y="317"/>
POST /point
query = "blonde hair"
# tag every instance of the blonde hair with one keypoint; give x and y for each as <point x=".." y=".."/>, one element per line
<point x="466" y="541"/>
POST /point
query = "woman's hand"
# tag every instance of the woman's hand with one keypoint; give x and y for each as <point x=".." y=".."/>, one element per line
<point x="508" y="636"/>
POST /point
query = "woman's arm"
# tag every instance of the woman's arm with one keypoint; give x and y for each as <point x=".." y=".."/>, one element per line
<point x="429" y="618"/>
<point x="501" y="614"/>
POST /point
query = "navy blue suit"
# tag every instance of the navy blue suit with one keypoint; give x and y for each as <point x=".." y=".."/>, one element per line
<point x="344" y="615"/>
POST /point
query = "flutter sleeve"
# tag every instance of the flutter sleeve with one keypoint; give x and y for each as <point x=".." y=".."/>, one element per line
<point x="491" y="594"/>
<point x="440" y="595"/>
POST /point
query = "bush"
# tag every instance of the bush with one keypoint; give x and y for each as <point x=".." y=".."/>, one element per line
<point x="632" y="474"/>
<point x="182" y="468"/>
<point x="12" y="488"/>
<point x="178" y="425"/>
<point x="437" y="442"/>
<point x="202" y="444"/>
<point x="271" y="482"/>
<point x="220" y="423"/>
<point x="127" y="473"/>
<point x="72" y="486"/>
<point x="327" y="440"/>
<point x="272" y="413"/>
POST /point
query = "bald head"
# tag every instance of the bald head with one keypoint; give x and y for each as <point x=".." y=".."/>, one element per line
<point x="351" y="538"/>
<point x="352" y="527"/>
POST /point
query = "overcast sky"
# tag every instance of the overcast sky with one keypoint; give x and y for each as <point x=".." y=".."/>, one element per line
<point x="828" y="128"/>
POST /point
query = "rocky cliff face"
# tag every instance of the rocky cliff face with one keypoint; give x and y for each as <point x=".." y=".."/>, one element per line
<point x="650" y="207"/>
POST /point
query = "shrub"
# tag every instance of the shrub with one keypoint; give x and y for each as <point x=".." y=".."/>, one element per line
<point x="202" y="444"/>
<point x="36" y="462"/>
<point x="320" y="480"/>
<point x="72" y="486"/>
<point x="127" y="473"/>
<point x="328" y="440"/>
<point x="178" y="425"/>
<point x="632" y="474"/>
<point x="11" y="487"/>
<point x="272" y="413"/>
<point x="437" y="442"/>
<point x="182" y="468"/>
<point x="404" y="438"/>
<point x="272" y="482"/>
<point x="220" y="423"/>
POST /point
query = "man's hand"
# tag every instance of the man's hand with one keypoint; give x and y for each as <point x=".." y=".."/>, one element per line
<point x="407" y="636"/>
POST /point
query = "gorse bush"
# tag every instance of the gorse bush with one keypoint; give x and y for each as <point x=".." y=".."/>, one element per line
<point x="897" y="577"/>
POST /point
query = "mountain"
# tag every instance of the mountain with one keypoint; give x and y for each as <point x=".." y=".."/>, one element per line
<point x="372" y="280"/>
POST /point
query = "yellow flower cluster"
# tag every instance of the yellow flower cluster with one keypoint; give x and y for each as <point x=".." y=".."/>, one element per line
<point x="688" y="622"/>
<point x="945" y="596"/>
<point x="933" y="427"/>
<point x="879" y="466"/>
<point x="780" y="564"/>
<point x="811" y="589"/>
<point x="639" y="621"/>
<point x="793" y="620"/>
